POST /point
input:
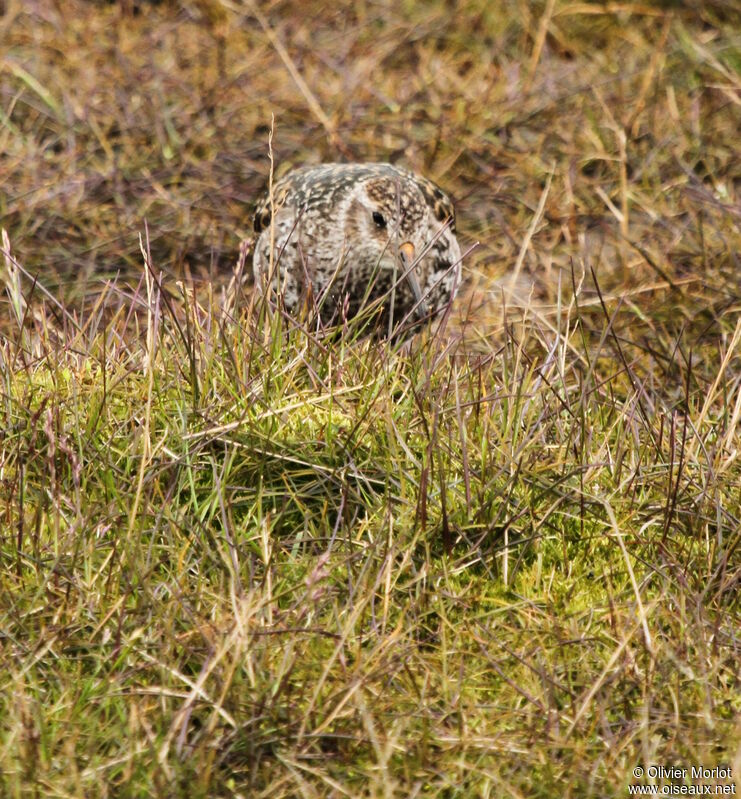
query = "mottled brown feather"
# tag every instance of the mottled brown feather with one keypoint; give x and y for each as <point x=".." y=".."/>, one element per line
<point x="339" y="226"/>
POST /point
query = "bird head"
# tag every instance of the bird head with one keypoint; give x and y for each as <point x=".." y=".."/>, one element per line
<point x="395" y="222"/>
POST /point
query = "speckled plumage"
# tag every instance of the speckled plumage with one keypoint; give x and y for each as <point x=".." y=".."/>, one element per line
<point x="350" y="234"/>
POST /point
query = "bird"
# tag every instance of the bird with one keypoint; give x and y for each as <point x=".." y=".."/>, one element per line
<point x="353" y="236"/>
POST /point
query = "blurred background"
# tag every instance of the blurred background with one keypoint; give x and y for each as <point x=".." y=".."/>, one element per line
<point x="527" y="595"/>
<point x="572" y="135"/>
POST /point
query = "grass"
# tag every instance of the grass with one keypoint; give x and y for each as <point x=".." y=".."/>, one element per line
<point x="239" y="560"/>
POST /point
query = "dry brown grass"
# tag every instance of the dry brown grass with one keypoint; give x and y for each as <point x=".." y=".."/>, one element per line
<point x="236" y="561"/>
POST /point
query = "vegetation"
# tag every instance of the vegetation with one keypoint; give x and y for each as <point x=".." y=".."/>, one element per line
<point x="238" y="559"/>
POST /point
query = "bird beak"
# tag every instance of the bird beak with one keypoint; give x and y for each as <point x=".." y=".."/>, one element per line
<point x="406" y="254"/>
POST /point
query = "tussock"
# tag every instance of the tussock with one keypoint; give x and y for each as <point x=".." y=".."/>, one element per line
<point x="239" y="559"/>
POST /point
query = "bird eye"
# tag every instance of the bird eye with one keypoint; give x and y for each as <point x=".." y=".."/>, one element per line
<point x="379" y="219"/>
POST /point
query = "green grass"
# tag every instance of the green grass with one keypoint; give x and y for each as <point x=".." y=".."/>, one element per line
<point x="239" y="560"/>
